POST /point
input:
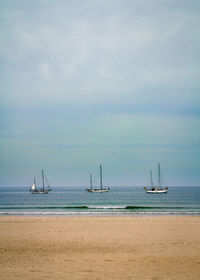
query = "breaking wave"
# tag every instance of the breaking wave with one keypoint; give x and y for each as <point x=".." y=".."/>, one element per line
<point x="90" y="207"/>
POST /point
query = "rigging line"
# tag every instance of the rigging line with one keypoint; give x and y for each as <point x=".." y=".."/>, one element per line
<point x="46" y="180"/>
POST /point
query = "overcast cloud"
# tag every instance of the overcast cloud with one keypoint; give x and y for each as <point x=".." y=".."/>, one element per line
<point x="90" y="82"/>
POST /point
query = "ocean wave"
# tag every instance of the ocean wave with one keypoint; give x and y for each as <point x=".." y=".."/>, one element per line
<point x="97" y="207"/>
<point x="94" y="213"/>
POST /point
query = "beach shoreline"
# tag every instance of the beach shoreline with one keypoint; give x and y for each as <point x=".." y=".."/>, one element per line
<point x="99" y="247"/>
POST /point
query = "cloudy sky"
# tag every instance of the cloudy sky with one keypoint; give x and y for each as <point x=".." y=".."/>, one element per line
<point x="86" y="82"/>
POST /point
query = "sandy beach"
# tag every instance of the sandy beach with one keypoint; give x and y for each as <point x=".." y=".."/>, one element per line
<point x="100" y="248"/>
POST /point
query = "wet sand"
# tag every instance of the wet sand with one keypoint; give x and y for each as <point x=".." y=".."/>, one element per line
<point x="100" y="248"/>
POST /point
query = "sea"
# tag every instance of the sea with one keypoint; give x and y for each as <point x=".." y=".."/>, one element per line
<point x="120" y="201"/>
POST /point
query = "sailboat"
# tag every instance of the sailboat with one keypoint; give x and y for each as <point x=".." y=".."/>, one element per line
<point x="43" y="190"/>
<point x="159" y="188"/>
<point x="99" y="190"/>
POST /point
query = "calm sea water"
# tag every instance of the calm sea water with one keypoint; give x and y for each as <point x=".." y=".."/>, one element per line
<point x="119" y="201"/>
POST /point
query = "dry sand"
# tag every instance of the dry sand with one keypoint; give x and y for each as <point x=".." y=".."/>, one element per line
<point x="100" y="248"/>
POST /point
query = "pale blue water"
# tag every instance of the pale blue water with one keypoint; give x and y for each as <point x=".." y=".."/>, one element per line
<point x="119" y="201"/>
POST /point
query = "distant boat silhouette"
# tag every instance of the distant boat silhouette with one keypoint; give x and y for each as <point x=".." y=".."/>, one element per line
<point x="97" y="190"/>
<point x="42" y="190"/>
<point x="159" y="188"/>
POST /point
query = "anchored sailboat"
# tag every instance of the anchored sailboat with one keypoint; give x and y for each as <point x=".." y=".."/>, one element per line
<point x="159" y="188"/>
<point x="43" y="190"/>
<point x="99" y="190"/>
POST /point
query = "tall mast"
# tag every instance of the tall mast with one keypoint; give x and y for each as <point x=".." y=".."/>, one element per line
<point x="151" y="179"/>
<point x="100" y="177"/>
<point x="159" y="182"/>
<point x="91" y="180"/>
<point x="42" y="180"/>
<point x="34" y="181"/>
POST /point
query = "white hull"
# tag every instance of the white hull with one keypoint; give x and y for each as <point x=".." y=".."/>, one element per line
<point x="40" y="191"/>
<point x="98" y="190"/>
<point x="157" y="191"/>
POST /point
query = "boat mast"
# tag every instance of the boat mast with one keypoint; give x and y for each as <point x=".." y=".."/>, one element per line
<point x="91" y="180"/>
<point x="34" y="181"/>
<point x="151" y="179"/>
<point x="100" y="177"/>
<point x="42" y="180"/>
<point x="159" y="182"/>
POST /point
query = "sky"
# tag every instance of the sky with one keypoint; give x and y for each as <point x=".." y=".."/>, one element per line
<point x="111" y="82"/>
